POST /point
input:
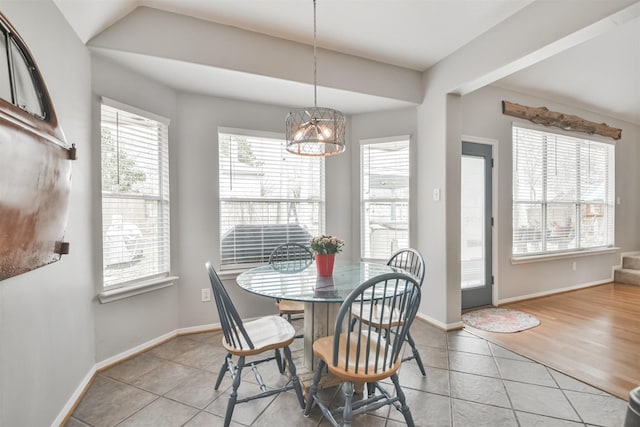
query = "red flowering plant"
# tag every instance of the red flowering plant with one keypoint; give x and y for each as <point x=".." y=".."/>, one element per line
<point x="324" y="245"/>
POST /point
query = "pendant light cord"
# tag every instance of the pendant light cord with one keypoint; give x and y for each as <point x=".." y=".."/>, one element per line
<point x="315" y="71"/>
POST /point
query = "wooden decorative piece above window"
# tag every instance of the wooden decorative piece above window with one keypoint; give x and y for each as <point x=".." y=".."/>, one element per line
<point x="542" y="116"/>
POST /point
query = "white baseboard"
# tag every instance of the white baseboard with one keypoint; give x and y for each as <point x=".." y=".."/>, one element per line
<point x="201" y="328"/>
<point x="135" y="350"/>
<point x="438" y="324"/>
<point x="555" y="291"/>
<point x="77" y="394"/>
<point x="75" y="397"/>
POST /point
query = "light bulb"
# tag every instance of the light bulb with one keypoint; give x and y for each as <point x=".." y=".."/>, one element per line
<point x="326" y="131"/>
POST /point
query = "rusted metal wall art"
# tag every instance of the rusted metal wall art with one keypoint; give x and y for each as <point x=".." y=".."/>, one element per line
<point x="35" y="164"/>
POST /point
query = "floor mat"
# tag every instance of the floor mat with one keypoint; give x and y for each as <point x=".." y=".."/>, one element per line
<point x="503" y="320"/>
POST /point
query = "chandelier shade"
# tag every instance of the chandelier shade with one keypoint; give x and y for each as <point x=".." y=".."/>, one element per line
<point x="315" y="131"/>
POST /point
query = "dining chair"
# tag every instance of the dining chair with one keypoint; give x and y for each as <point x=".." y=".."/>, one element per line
<point x="410" y="261"/>
<point x="365" y="353"/>
<point x="243" y="339"/>
<point x="290" y="257"/>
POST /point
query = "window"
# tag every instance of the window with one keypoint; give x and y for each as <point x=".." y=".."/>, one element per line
<point x="563" y="193"/>
<point x="268" y="196"/>
<point x="384" y="186"/>
<point x="135" y="195"/>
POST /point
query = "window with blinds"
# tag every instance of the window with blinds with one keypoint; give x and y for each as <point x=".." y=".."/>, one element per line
<point x="135" y="195"/>
<point x="384" y="196"/>
<point x="268" y="196"/>
<point x="563" y="193"/>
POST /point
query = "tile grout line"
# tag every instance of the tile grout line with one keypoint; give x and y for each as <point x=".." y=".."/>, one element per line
<point x="504" y="386"/>
<point x="135" y="412"/>
<point x="451" y="415"/>
<point x="565" y="396"/>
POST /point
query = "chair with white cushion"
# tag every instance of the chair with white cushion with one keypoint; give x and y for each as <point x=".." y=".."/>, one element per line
<point x="250" y="339"/>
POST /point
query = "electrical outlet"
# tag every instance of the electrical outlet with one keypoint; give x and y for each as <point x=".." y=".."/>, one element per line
<point x="574" y="266"/>
<point x="206" y="294"/>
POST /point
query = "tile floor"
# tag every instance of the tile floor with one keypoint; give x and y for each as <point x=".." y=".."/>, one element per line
<point x="469" y="382"/>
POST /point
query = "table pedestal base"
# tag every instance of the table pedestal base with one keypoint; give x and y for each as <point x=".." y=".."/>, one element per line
<point x="319" y="322"/>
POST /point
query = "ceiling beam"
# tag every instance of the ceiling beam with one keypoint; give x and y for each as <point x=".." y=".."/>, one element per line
<point x="535" y="33"/>
<point x="157" y="33"/>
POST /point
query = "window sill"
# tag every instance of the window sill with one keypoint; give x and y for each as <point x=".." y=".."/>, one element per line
<point x="111" y="295"/>
<point x="231" y="274"/>
<point x="563" y="255"/>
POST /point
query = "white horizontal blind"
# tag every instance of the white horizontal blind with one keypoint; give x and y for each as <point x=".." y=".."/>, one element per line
<point x="563" y="193"/>
<point x="135" y="197"/>
<point x="268" y="196"/>
<point x="384" y="186"/>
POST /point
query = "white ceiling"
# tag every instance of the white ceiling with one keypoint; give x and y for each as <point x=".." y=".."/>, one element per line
<point x="601" y="75"/>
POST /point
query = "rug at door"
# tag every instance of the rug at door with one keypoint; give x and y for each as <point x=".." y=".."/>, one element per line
<point x="503" y="320"/>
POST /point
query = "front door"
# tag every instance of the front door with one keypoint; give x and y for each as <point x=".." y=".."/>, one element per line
<point x="476" y="225"/>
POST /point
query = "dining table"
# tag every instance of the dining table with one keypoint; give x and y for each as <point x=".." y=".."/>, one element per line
<point x="322" y="296"/>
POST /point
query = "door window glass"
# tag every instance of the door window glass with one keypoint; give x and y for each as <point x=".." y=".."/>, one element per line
<point x="27" y="97"/>
<point x="5" y="81"/>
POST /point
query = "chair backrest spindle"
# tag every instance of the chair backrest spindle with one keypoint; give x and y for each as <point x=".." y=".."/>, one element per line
<point x="410" y="261"/>
<point x="396" y="297"/>
<point x="232" y="327"/>
<point x="291" y="257"/>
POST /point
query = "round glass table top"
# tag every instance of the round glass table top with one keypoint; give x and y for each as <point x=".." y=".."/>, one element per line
<point x="302" y="283"/>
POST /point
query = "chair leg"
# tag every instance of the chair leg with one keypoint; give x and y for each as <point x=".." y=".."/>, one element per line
<point x="348" y="399"/>
<point x="371" y="389"/>
<point x="223" y="371"/>
<point x="279" y="361"/>
<point x="294" y="376"/>
<point x="289" y="318"/>
<point x="314" y="387"/>
<point x="234" y="393"/>
<point x="416" y="353"/>
<point x="403" y="401"/>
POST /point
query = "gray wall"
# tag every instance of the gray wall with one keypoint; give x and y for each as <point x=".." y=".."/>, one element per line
<point x="46" y="316"/>
<point x="482" y="117"/>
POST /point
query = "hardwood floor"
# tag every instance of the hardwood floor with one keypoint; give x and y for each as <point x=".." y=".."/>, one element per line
<point x="591" y="334"/>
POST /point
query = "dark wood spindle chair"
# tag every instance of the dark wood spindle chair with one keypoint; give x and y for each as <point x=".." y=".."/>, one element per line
<point x="290" y="257"/>
<point x="365" y="353"/>
<point x="410" y="261"/>
<point x="249" y="339"/>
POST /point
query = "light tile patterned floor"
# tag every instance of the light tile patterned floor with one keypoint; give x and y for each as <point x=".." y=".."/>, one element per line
<point x="469" y="382"/>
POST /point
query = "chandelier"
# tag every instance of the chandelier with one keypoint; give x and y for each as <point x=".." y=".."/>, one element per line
<point x="315" y="131"/>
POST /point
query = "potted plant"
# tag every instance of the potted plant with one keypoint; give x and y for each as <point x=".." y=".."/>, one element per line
<point x="325" y="249"/>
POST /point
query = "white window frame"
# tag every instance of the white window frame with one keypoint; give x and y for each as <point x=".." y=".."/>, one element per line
<point x="236" y="267"/>
<point x="363" y="200"/>
<point x="610" y="203"/>
<point x="161" y="278"/>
